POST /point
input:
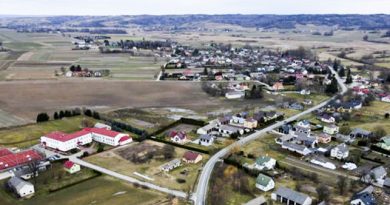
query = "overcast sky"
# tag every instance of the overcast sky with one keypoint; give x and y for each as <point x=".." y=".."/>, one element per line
<point x="134" y="7"/>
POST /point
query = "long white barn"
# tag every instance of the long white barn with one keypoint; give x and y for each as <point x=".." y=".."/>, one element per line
<point x="65" y="142"/>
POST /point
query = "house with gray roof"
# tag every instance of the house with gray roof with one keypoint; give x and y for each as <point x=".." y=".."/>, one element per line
<point x="227" y="130"/>
<point x="264" y="182"/>
<point x="265" y="163"/>
<point x="360" y="133"/>
<point x="206" y="140"/>
<point x="170" y="165"/>
<point x="288" y="196"/>
<point x="375" y="176"/>
<point x="340" y="152"/>
<point x="23" y="188"/>
<point x="300" y="149"/>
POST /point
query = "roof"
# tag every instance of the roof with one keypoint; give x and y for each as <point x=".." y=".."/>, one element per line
<point x="102" y="131"/>
<point x="206" y="137"/>
<point x="365" y="196"/>
<point x="19" y="158"/>
<point x="125" y="138"/>
<point x="360" y="131"/>
<point x="4" y="152"/>
<point x="263" y="180"/>
<point x="263" y="159"/>
<point x="68" y="164"/>
<point x="63" y="137"/>
<point x="294" y="146"/>
<point x="189" y="155"/>
<point x="256" y="201"/>
<point x="292" y="195"/>
<point x="18" y="183"/>
<point x="378" y="172"/>
<point x="342" y="147"/>
<point x="181" y="135"/>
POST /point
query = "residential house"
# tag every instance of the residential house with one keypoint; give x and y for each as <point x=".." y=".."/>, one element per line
<point x="384" y="143"/>
<point x="265" y="163"/>
<point x="227" y="130"/>
<point x="23" y="188"/>
<point x="285" y="129"/>
<point x="340" y="152"/>
<point x="170" y="165"/>
<point x="324" y="138"/>
<point x="360" y="133"/>
<point x="192" y="157"/>
<point x="278" y="86"/>
<point x="327" y="118"/>
<point x="364" y="197"/>
<point x="386" y="98"/>
<point x="250" y="123"/>
<point x="290" y="197"/>
<point x="71" y="167"/>
<point x="264" y="182"/>
<point x="206" y="140"/>
<point x="257" y="201"/>
<point x="296" y="106"/>
<point x="237" y="120"/>
<point x="207" y="128"/>
<point x="178" y="137"/>
<point x="102" y="125"/>
<point x="303" y="139"/>
<point x="300" y="149"/>
<point x="376" y="176"/>
<point x="331" y="129"/>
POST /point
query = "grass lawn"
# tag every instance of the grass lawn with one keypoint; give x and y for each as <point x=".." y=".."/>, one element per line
<point x="98" y="191"/>
<point x="115" y="162"/>
<point x="28" y="135"/>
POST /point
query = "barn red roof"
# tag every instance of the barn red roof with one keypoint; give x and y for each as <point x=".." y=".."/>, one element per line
<point x="4" y="152"/>
<point x="190" y="155"/>
<point x="68" y="164"/>
<point x="102" y="131"/>
<point x="63" y="137"/>
<point x="20" y="158"/>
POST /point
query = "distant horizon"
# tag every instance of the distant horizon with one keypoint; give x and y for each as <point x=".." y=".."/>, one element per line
<point x="32" y="8"/>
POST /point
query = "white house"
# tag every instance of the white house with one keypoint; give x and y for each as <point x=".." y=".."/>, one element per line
<point x="178" y="137"/>
<point x="71" y="167"/>
<point x="207" y="128"/>
<point x="331" y="129"/>
<point x="21" y="187"/>
<point x="65" y="142"/>
<point x="265" y="162"/>
<point x="227" y="130"/>
<point x="206" y="140"/>
<point x="264" y="182"/>
<point x="341" y="151"/>
<point x="170" y="165"/>
<point x="102" y="125"/>
<point x="109" y="137"/>
<point x="386" y="98"/>
<point x="328" y="119"/>
<point x="234" y="95"/>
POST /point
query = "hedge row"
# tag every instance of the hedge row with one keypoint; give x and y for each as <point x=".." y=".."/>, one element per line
<point x="181" y="145"/>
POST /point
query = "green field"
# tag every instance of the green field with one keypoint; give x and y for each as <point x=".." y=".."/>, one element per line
<point x="29" y="135"/>
<point x="98" y="191"/>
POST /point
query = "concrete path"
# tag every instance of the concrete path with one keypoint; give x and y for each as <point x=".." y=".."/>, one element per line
<point x="127" y="178"/>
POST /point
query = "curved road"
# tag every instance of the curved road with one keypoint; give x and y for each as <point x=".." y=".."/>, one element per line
<point x="199" y="197"/>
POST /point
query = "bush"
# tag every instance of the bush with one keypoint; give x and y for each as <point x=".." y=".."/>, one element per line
<point x="181" y="181"/>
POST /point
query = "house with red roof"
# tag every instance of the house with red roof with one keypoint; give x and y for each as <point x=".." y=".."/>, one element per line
<point x="109" y="137"/>
<point x="71" y="167"/>
<point x="65" y="142"/>
<point x="178" y="137"/>
<point x="192" y="157"/>
<point x="11" y="160"/>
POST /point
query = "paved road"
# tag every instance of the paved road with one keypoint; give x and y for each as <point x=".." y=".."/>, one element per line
<point x="199" y="197"/>
<point x="127" y="178"/>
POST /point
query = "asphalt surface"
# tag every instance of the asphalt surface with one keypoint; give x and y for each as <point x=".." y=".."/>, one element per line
<point x="199" y="197"/>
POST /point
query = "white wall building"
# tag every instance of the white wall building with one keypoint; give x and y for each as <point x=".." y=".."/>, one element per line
<point x="21" y="187"/>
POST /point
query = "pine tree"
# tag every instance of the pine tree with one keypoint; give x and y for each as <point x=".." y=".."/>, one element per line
<point x="349" y="77"/>
<point x="332" y="87"/>
<point x="56" y="117"/>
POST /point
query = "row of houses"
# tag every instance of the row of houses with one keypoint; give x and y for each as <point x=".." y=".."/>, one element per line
<point x="189" y="157"/>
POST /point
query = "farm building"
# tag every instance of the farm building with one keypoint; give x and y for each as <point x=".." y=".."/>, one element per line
<point x="71" y="167"/>
<point x="65" y="142"/>
<point x="192" y="157"/>
<point x="21" y="187"/>
<point x="11" y="160"/>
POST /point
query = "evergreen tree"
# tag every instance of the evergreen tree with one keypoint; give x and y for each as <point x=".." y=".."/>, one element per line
<point x="349" y="77"/>
<point x="42" y="117"/>
<point x="56" y="117"/>
<point x="61" y="115"/>
<point x="341" y="71"/>
<point x="332" y="88"/>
